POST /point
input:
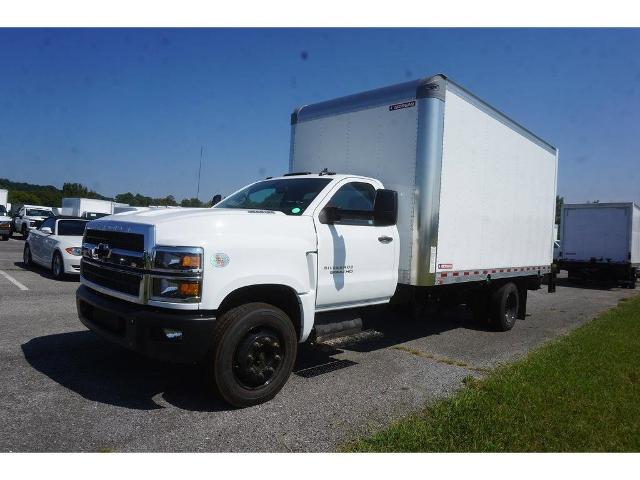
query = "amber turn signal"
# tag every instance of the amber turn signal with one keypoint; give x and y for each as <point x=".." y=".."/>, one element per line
<point x="189" y="289"/>
<point x="190" y="261"/>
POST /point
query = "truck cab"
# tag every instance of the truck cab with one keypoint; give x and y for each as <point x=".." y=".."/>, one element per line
<point x="238" y="286"/>
<point x="29" y="217"/>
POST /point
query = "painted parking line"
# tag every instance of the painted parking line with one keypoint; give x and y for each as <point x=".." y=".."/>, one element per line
<point x="13" y="280"/>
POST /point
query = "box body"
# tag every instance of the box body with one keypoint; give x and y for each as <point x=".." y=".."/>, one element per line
<point x="78" y="206"/>
<point x="476" y="190"/>
<point x="601" y="233"/>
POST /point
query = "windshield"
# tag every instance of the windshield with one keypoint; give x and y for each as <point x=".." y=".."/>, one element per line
<point x="291" y="196"/>
<point x="37" y="212"/>
<point x="71" y="228"/>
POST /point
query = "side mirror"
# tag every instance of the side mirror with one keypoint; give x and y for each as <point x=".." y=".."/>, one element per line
<point x="46" y="230"/>
<point x="216" y="199"/>
<point x="329" y="215"/>
<point x="385" y="208"/>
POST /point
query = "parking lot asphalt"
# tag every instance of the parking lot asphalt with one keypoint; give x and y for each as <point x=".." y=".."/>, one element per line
<point x="63" y="389"/>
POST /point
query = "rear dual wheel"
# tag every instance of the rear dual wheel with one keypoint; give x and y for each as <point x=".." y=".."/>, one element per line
<point x="252" y="354"/>
<point x="505" y="302"/>
<point x="497" y="308"/>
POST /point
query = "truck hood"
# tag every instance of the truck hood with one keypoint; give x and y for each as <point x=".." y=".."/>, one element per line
<point x="199" y="226"/>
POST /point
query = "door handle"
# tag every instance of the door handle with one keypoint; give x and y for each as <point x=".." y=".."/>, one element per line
<point x="385" y="239"/>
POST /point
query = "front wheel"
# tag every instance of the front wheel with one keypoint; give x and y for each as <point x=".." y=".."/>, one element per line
<point x="504" y="307"/>
<point x="25" y="232"/>
<point x="26" y="256"/>
<point x="57" y="266"/>
<point x="5" y="238"/>
<point x="253" y="351"/>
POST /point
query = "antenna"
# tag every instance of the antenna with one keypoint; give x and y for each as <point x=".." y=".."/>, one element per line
<point x="199" y="171"/>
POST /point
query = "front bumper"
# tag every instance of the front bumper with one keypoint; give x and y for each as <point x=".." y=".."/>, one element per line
<point x="5" y="231"/>
<point x="141" y="328"/>
<point x="71" y="264"/>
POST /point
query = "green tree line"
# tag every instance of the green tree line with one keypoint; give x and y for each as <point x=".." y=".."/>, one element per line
<point x="51" y="196"/>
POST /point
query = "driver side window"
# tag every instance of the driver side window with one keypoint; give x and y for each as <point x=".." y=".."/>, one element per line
<point x="354" y="204"/>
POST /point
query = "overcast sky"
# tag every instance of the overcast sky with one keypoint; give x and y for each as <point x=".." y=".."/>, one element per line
<point x="128" y="110"/>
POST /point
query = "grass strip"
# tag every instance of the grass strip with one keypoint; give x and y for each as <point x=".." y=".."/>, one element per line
<point x="580" y="393"/>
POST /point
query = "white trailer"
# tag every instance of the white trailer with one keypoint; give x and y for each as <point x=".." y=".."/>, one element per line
<point x="4" y="195"/>
<point x="88" y="207"/>
<point x="601" y="241"/>
<point x="476" y="189"/>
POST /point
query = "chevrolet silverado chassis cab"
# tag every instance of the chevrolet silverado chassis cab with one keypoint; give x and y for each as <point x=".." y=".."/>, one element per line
<point x="444" y="200"/>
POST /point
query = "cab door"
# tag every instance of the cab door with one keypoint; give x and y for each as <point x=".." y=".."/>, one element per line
<point x="37" y="241"/>
<point x="357" y="261"/>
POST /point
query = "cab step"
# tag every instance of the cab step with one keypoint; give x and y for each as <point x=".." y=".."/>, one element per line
<point x="337" y="324"/>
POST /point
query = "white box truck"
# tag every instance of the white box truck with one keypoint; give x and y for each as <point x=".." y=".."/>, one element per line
<point x="601" y="241"/>
<point x="90" y="208"/>
<point x="414" y="193"/>
<point x="4" y="198"/>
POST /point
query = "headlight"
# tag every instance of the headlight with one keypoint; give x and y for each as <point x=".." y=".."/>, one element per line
<point x="178" y="258"/>
<point x="5" y="224"/>
<point x="77" y="251"/>
<point x="185" y="290"/>
<point x="177" y="274"/>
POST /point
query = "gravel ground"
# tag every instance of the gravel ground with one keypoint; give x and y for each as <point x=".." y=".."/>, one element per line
<point x="63" y="389"/>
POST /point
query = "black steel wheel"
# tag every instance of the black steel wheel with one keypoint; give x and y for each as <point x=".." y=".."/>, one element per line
<point x="253" y="350"/>
<point x="258" y="358"/>
<point x="504" y="307"/>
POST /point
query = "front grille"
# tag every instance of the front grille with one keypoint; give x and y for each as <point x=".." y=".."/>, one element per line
<point x="125" y="241"/>
<point x="119" y="281"/>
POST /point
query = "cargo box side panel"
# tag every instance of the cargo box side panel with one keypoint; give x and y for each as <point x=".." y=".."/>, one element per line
<point x="635" y="236"/>
<point x="497" y="193"/>
<point x="601" y="233"/>
<point x="376" y="142"/>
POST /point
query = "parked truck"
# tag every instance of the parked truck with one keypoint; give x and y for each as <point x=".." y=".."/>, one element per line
<point x="28" y="217"/>
<point x="89" y="208"/>
<point x="601" y="241"/>
<point x="4" y="199"/>
<point x="414" y="194"/>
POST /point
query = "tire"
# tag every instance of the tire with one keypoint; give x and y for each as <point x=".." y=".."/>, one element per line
<point x="25" y="232"/>
<point x="57" y="266"/>
<point x="5" y="238"/>
<point x="504" y="307"/>
<point x="26" y="256"/>
<point x="242" y="334"/>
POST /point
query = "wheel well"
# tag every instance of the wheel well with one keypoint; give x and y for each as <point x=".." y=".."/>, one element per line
<point x="280" y="296"/>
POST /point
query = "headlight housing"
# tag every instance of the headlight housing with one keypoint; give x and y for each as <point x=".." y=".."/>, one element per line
<point x="178" y="258"/>
<point x="176" y="289"/>
<point x="177" y="274"/>
<point x="77" y="251"/>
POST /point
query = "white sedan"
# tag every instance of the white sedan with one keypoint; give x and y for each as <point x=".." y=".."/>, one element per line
<point x="57" y="245"/>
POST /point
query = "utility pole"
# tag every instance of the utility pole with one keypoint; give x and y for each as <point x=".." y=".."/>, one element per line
<point x="199" y="172"/>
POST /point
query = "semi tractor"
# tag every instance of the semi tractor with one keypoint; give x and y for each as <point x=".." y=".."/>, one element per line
<point x="412" y="194"/>
<point x="601" y="241"/>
